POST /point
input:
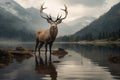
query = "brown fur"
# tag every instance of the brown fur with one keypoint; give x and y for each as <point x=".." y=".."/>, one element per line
<point x="46" y="35"/>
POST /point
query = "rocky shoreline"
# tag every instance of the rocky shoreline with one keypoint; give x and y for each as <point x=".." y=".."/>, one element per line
<point x="19" y="54"/>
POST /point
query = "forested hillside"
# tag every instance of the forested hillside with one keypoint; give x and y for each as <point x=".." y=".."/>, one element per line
<point x="12" y="27"/>
<point x="106" y="26"/>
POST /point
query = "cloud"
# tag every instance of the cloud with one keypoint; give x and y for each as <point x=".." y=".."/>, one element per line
<point x="76" y="8"/>
<point x="29" y="3"/>
<point x="90" y="3"/>
<point x="53" y="7"/>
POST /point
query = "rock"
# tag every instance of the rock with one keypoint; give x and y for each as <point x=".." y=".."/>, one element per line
<point x="114" y="59"/>
<point x="5" y="58"/>
<point x="60" y="53"/>
<point x="19" y="54"/>
<point x="20" y="49"/>
<point x="21" y="57"/>
<point x="69" y="55"/>
<point x="60" y="49"/>
<point x="56" y="61"/>
<point x="4" y="54"/>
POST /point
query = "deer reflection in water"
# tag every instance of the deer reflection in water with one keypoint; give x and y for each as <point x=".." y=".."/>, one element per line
<point x="45" y="67"/>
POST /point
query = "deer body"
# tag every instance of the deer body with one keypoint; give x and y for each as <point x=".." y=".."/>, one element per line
<point x="48" y="36"/>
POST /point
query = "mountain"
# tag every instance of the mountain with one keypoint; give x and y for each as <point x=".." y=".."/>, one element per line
<point x="14" y="8"/>
<point x="12" y="25"/>
<point x="80" y="23"/>
<point x="74" y="26"/>
<point x="106" y="26"/>
<point x="30" y="15"/>
<point x="35" y="19"/>
<point x="17" y="22"/>
<point x="83" y="21"/>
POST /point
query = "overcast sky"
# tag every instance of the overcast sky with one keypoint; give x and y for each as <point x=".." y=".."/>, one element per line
<point x="76" y="8"/>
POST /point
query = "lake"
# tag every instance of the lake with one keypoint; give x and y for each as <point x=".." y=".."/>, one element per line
<point x="83" y="62"/>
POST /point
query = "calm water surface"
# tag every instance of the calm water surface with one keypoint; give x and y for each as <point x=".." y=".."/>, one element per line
<point x="83" y="62"/>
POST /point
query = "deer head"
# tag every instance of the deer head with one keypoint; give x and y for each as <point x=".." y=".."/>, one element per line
<point x="49" y="18"/>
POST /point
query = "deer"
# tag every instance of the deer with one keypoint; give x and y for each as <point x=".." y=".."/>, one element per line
<point x="47" y="36"/>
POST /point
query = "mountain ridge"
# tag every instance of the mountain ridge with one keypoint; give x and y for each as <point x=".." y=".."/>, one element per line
<point x="106" y="26"/>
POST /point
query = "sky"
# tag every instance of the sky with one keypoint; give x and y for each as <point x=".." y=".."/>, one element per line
<point x="76" y="8"/>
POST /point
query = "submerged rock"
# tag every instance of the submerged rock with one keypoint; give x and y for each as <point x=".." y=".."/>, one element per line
<point x="60" y="53"/>
<point x="20" y="49"/>
<point x="4" y="54"/>
<point x="19" y="54"/>
<point x="61" y="49"/>
<point x="56" y="61"/>
<point x="5" y="58"/>
<point x="114" y="59"/>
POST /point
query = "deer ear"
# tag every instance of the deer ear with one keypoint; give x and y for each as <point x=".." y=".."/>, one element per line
<point x="59" y="21"/>
<point x="49" y="21"/>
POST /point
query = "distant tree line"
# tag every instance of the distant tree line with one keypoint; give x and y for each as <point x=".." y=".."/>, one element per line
<point x="110" y="36"/>
<point x="16" y="35"/>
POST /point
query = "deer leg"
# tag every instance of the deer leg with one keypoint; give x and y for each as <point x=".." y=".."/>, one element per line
<point x="45" y="50"/>
<point x="40" y="46"/>
<point x="37" y="42"/>
<point x="50" y="46"/>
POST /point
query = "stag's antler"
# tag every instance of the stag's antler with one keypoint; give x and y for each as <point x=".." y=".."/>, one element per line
<point x="41" y="11"/>
<point x="49" y="18"/>
<point x="66" y="13"/>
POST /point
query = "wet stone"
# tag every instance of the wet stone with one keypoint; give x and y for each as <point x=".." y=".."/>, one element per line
<point x="114" y="59"/>
<point x="60" y="53"/>
<point x="20" y="49"/>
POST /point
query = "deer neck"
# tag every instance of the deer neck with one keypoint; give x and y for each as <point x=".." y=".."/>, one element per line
<point x="53" y="32"/>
